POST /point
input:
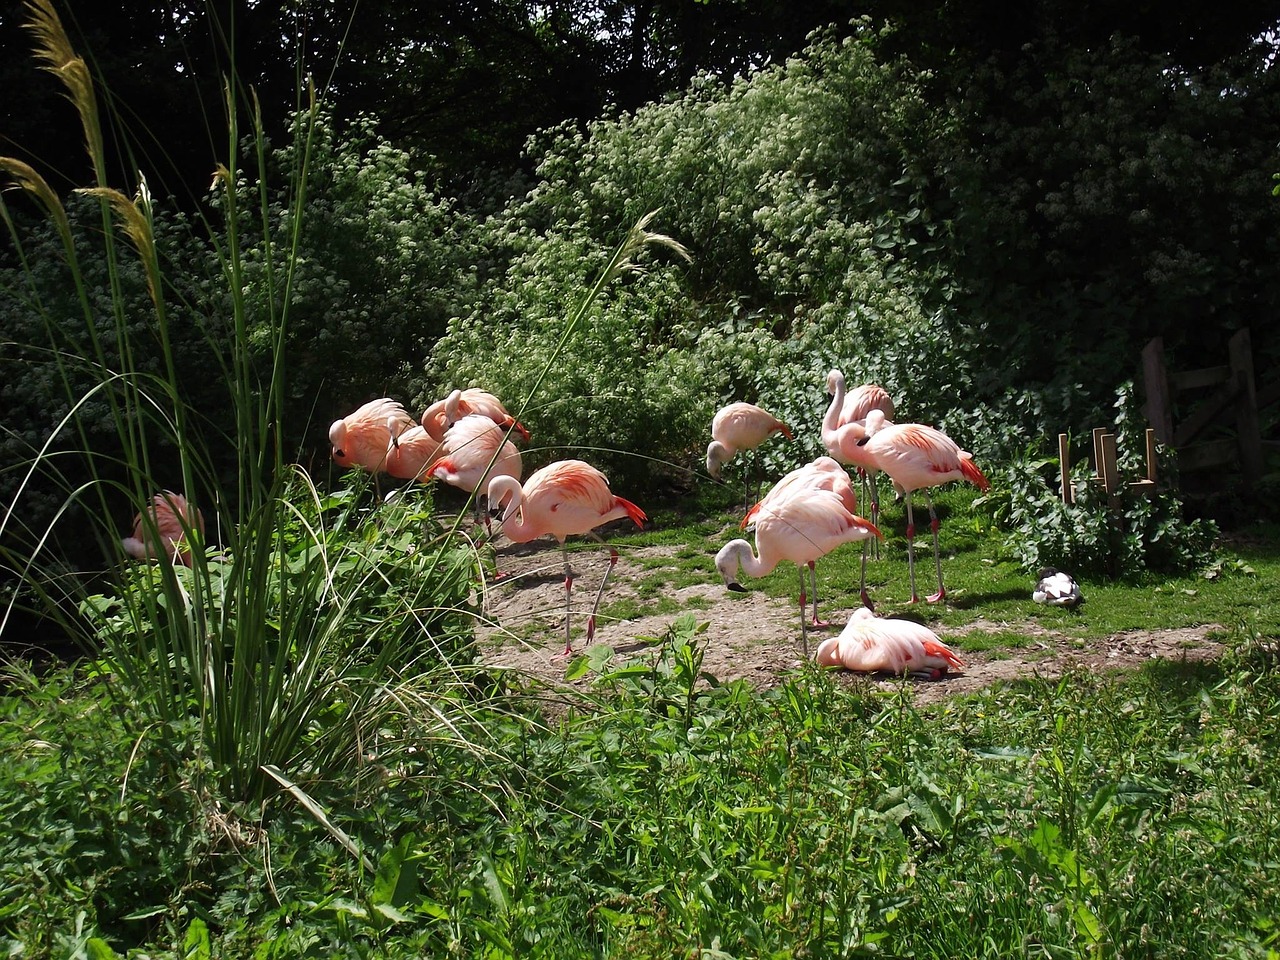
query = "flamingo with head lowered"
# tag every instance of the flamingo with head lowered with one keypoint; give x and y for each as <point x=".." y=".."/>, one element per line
<point x="564" y="498"/>
<point x="164" y="529"/>
<point x="803" y="525"/>
<point x="740" y="426"/>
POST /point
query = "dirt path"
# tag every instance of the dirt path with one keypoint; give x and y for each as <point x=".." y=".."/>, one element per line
<point x="756" y="635"/>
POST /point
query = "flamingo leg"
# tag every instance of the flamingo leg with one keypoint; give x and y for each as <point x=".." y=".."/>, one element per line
<point x="866" y="599"/>
<point x="813" y="584"/>
<point x="591" y="620"/>
<point x="937" y="560"/>
<point x="874" y="480"/>
<point x="911" y="550"/>
<point x="804" y="627"/>
<point x="568" y="590"/>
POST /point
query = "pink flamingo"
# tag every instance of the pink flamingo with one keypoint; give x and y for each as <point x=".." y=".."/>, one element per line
<point x="871" y="644"/>
<point x="802" y="525"/>
<point x="165" y="530"/>
<point x="563" y="498"/>
<point x="461" y="403"/>
<point x="475" y="451"/>
<point x="843" y="429"/>
<point x="917" y="457"/>
<point x="824" y="473"/>
<point x="413" y="453"/>
<point x="364" y="438"/>
<point x="740" y="426"/>
<point x="845" y="425"/>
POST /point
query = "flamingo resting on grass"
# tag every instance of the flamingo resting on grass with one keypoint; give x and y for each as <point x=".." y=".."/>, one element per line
<point x="802" y="526"/>
<point x="563" y="498"/>
<point x="740" y="426"/>
<point x="163" y="532"/>
<point x="917" y="457"/>
<point x="877" y="645"/>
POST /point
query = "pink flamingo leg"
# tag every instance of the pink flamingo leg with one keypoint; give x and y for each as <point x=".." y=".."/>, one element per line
<point x="813" y="583"/>
<point x="591" y="620"/>
<point x="937" y="560"/>
<point x="568" y="591"/>
<point x="911" y="550"/>
<point x="873" y="482"/>
<point x="866" y="599"/>
<point x="804" y="630"/>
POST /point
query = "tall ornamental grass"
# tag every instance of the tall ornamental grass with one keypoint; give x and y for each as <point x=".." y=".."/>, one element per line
<point x="307" y="626"/>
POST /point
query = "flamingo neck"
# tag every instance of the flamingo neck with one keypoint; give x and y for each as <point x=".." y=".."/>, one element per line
<point x="831" y="421"/>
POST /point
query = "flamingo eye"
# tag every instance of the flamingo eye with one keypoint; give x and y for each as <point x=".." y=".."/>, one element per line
<point x="338" y="452"/>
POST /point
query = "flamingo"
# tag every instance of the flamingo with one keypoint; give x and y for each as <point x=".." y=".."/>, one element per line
<point x="917" y="457"/>
<point x="364" y="438"/>
<point x="165" y="530"/>
<point x="475" y="451"/>
<point x="414" y="453"/>
<point x="740" y="426"/>
<point x="845" y="424"/>
<point x="563" y="498"/>
<point x="801" y="526"/>
<point x="871" y="644"/>
<point x="824" y="473"/>
<point x="460" y="403"/>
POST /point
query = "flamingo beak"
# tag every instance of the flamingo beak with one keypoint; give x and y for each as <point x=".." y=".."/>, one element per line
<point x="736" y="587"/>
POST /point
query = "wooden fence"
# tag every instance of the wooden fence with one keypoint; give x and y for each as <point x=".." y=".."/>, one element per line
<point x="1218" y="397"/>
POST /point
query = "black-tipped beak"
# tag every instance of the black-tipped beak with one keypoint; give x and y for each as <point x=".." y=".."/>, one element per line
<point x="863" y="441"/>
<point x="737" y="587"/>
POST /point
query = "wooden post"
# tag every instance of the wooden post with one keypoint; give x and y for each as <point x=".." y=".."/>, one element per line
<point x="1107" y="464"/>
<point x="1097" y="452"/>
<point x="1064" y="465"/>
<point x="1151" y="454"/>
<point x="1250" y="435"/>
<point x="1158" y="407"/>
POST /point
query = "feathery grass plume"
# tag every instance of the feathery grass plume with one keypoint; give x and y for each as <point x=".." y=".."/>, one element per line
<point x="27" y="179"/>
<point x="54" y="48"/>
<point x="137" y="227"/>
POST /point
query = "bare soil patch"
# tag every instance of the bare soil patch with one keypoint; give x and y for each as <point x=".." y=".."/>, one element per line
<point x="755" y="636"/>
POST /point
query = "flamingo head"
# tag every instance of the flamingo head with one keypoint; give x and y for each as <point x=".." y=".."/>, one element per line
<point x="716" y="456"/>
<point x="338" y="437"/>
<point x="835" y="381"/>
<point x="728" y="562"/>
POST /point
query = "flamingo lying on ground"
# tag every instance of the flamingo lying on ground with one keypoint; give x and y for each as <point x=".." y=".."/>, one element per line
<point x="824" y="473"/>
<point x="364" y="438"/>
<point x="917" y="457"/>
<point x="802" y="526"/>
<point x="563" y="498"/>
<point x="163" y="533"/>
<point x="740" y="426"/>
<point x="872" y="644"/>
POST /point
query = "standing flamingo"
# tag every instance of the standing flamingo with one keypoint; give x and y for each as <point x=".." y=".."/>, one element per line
<point x="871" y="644"/>
<point x="845" y="424"/>
<point x="475" y="451"/>
<point x="917" y="457"/>
<point x="164" y="532"/>
<point x="364" y="438"/>
<point x="563" y="498"/>
<point x="740" y="426"/>
<point x="801" y="526"/>
<point x="824" y="473"/>
<point x="413" y="453"/>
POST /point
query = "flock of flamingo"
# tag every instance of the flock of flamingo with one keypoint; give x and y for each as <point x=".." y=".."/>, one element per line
<point x="466" y="440"/>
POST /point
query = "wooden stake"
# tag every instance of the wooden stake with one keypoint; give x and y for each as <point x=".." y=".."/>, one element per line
<point x="1064" y="464"/>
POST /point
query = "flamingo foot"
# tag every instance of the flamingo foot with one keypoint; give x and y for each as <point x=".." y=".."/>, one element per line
<point x="936" y="597"/>
<point x="816" y="624"/>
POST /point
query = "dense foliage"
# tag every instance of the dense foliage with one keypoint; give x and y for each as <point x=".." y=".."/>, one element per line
<point x="1072" y="817"/>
